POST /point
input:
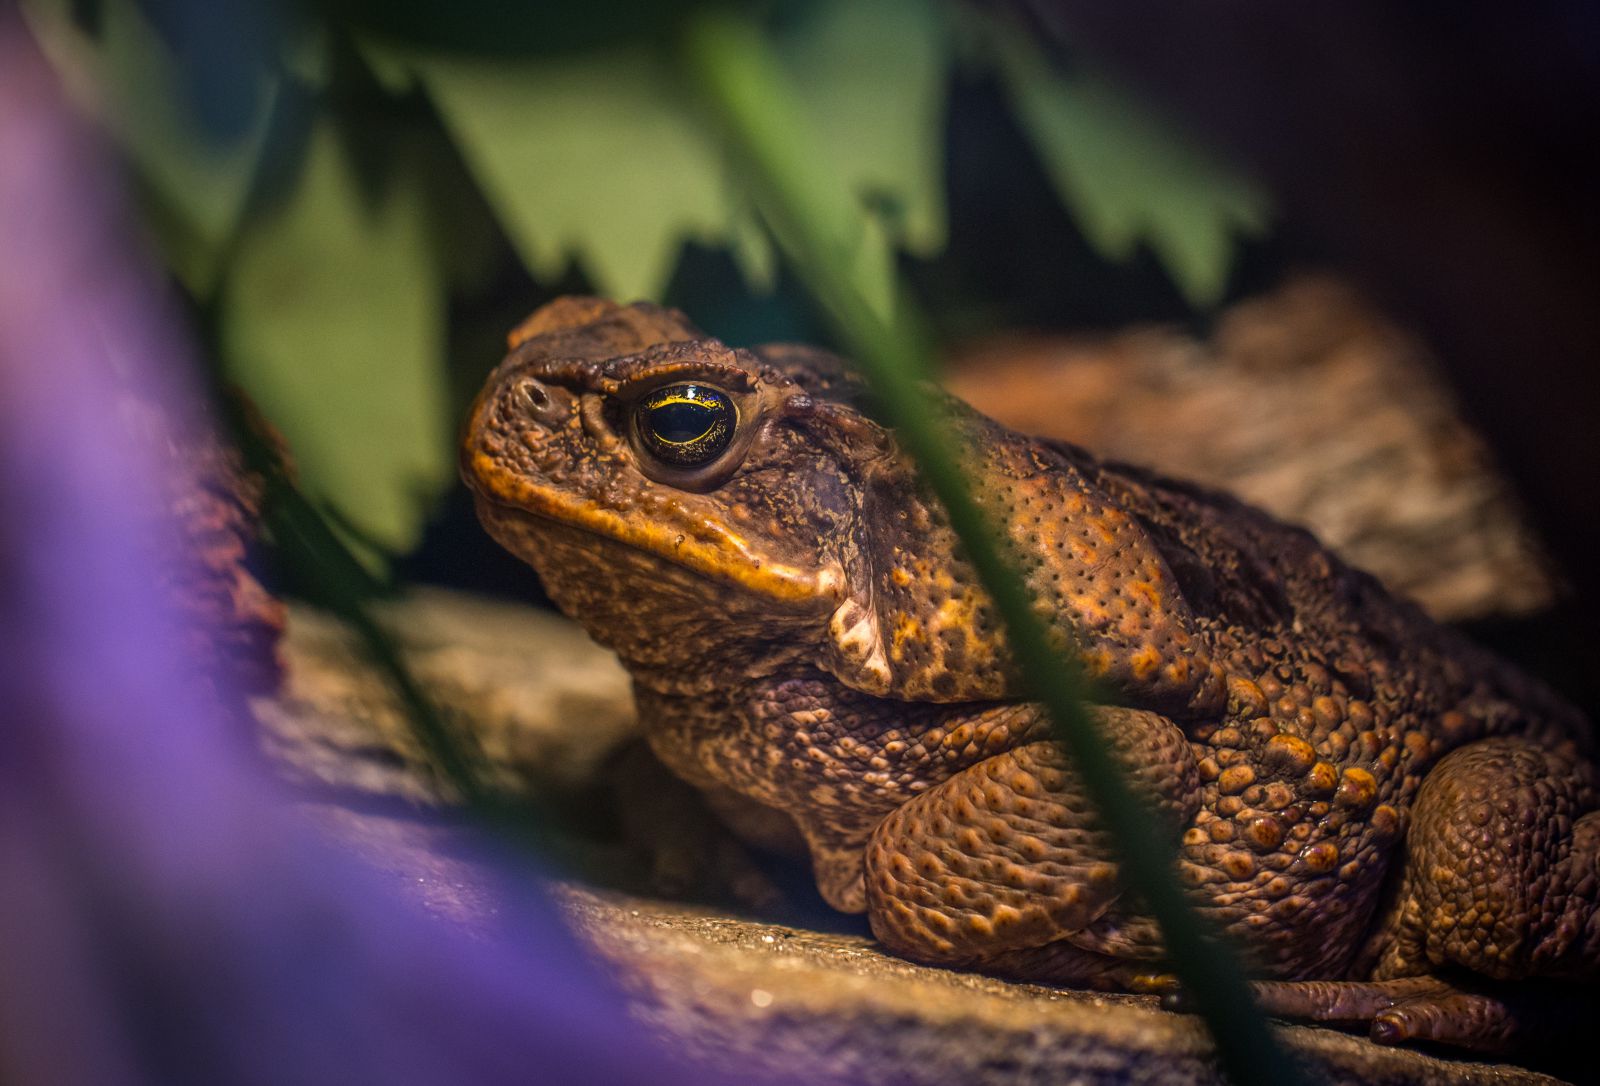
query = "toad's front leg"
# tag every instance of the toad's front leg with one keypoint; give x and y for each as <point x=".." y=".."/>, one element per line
<point x="1003" y="866"/>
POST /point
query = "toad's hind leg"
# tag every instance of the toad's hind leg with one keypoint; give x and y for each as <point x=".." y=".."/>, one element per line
<point x="1501" y="878"/>
<point x="994" y="866"/>
<point x="1502" y="868"/>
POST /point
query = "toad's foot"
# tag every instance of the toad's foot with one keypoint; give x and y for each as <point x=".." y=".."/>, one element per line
<point x="677" y="842"/>
<point x="1428" y="1009"/>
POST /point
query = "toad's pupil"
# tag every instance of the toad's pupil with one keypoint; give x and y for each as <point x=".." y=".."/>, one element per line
<point x="682" y="421"/>
<point x="686" y="424"/>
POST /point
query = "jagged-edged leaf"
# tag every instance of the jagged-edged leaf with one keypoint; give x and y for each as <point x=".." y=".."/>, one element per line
<point x="873" y="80"/>
<point x="333" y="321"/>
<point x="126" y="76"/>
<point x="590" y="157"/>
<point x="1127" y="176"/>
<point x="785" y="153"/>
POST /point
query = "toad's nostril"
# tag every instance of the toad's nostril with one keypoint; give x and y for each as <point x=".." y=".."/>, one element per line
<point x="533" y="394"/>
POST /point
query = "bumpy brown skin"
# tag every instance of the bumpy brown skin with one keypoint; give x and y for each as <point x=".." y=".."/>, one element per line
<point x="1362" y="796"/>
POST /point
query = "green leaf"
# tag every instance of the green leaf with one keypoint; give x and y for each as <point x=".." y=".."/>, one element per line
<point x="1129" y="177"/>
<point x="872" y="78"/>
<point x="195" y="188"/>
<point x="332" y="320"/>
<point x="857" y="240"/>
<point x="592" y="157"/>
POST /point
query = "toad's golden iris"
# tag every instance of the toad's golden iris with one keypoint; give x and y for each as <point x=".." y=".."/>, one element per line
<point x="685" y="424"/>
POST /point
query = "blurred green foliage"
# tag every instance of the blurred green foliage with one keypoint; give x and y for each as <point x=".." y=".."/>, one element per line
<point x="592" y="159"/>
<point x="326" y="180"/>
<point x="332" y="317"/>
<point x="1129" y="178"/>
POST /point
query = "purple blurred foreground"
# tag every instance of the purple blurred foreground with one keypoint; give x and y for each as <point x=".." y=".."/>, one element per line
<point x="164" y="918"/>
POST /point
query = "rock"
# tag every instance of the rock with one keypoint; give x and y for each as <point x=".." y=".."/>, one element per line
<point x="735" y="992"/>
<point x="1308" y="403"/>
<point x="742" y="994"/>
<point x="750" y="996"/>
<point x="541" y="704"/>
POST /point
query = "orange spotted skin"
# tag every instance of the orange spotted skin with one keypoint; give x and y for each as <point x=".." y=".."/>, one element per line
<point x="1358" y="794"/>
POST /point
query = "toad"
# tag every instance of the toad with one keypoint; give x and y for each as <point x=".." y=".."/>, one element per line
<point x="1386" y="820"/>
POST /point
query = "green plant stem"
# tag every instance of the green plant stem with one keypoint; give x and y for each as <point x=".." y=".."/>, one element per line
<point x="766" y="132"/>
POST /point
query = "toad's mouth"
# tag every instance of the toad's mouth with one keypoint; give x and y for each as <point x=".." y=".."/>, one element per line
<point x="673" y="533"/>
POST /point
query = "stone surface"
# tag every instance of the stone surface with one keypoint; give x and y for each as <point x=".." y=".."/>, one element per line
<point x="542" y="703"/>
<point x="1307" y="402"/>
<point x="735" y="991"/>
<point x="745" y="994"/>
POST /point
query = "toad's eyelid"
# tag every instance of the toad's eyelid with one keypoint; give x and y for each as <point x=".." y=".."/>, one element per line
<point x="725" y="380"/>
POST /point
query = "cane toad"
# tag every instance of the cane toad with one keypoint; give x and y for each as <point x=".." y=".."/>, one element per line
<point x="1361" y="796"/>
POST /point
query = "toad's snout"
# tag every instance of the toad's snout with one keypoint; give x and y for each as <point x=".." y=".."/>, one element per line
<point x="532" y="400"/>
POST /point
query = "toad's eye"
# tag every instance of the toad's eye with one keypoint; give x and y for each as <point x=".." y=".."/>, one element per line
<point x="685" y="424"/>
